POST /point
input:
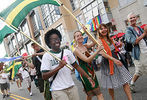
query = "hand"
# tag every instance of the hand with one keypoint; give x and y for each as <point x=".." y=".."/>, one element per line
<point x="92" y="82"/>
<point x="24" y="57"/>
<point x="100" y="47"/>
<point x="62" y="63"/>
<point x="35" y="54"/>
<point x="118" y="63"/>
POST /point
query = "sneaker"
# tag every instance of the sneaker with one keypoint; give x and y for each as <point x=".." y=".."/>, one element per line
<point x="4" y="95"/>
<point x="20" y="88"/>
<point x="30" y="93"/>
<point x="132" y="88"/>
<point x="7" y="95"/>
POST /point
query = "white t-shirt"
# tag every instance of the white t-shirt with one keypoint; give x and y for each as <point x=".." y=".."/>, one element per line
<point x="143" y="46"/>
<point x="4" y="78"/>
<point x="24" y="73"/>
<point x="63" y="79"/>
<point x="32" y="71"/>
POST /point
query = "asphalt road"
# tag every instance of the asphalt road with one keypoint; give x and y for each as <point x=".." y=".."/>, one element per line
<point x="141" y="87"/>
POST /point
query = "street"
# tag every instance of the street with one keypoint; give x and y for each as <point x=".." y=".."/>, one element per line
<point x="22" y="94"/>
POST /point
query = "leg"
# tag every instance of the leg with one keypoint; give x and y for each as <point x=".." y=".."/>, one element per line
<point x="111" y="92"/>
<point x="28" y="83"/>
<point x="59" y="95"/>
<point x="127" y="91"/>
<point x="72" y="93"/>
<point x="17" y="82"/>
<point x="88" y="97"/>
<point x="100" y="95"/>
<point x="41" y="85"/>
<point x="134" y="79"/>
<point x="138" y="73"/>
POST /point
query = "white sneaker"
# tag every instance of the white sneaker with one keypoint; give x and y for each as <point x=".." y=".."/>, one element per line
<point x="20" y="88"/>
<point x="30" y="93"/>
<point x="132" y="88"/>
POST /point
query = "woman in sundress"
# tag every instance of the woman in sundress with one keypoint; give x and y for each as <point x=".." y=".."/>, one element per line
<point x="113" y="72"/>
<point x="85" y="60"/>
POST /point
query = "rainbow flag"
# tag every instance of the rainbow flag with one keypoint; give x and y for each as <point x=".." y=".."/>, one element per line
<point x="95" y="23"/>
<point x="98" y="20"/>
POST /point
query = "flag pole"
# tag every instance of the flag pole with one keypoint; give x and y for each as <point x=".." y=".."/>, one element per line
<point x="59" y="2"/>
<point x="16" y="30"/>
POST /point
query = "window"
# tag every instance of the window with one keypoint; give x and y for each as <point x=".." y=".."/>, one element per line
<point x="25" y="29"/>
<point x="91" y="10"/>
<point x="50" y="14"/>
<point x="85" y="3"/>
<point x="74" y="4"/>
<point x="34" y="22"/>
<point x="18" y="36"/>
<point x="13" y="43"/>
<point x="124" y="3"/>
<point x="107" y="7"/>
<point x="29" y="48"/>
<point x="61" y="29"/>
<point x="11" y="47"/>
<point x="38" y="39"/>
<point x="80" y="18"/>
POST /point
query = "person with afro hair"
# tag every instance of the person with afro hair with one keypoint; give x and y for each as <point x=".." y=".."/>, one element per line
<point x="62" y="86"/>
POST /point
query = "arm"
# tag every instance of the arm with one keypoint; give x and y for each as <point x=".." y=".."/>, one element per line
<point x="38" y="54"/>
<point x="78" y="53"/>
<point x="117" y="62"/>
<point x="145" y="30"/>
<point x="82" y="72"/>
<point x="47" y="75"/>
<point x="29" y="64"/>
<point x="140" y="38"/>
<point x="88" y="45"/>
<point x="109" y="57"/>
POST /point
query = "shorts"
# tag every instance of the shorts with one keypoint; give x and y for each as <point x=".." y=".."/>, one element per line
<point x="141" y="65"/>
<point x="4" y="86"/>
<point x="27" y="81"/>
<point x="70" y="93"/>
<point x="41" y="85"/>
<point x="8" y="84"/>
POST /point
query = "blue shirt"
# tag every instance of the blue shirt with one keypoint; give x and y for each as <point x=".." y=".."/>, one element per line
<point x="130" y="37"/>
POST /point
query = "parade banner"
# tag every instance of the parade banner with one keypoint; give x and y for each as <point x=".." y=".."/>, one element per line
<point x="15" y="67"/>
<point x="16" y="13"/>
<point x="5" y="59"/>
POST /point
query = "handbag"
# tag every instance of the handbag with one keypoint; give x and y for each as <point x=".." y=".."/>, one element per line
<point x="123" y="60"/>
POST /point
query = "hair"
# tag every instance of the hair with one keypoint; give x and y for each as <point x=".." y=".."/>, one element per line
<point x="49" y="33"/>
<point x="33" y="44"/>
<point x="131" y="13"/>
<point x="108" y="33"/>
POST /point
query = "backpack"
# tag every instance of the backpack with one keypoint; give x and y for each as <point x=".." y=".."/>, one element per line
<point x="128" y="46"/>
